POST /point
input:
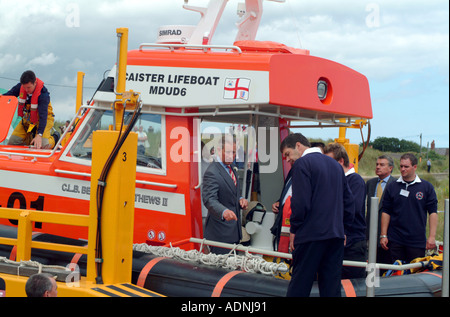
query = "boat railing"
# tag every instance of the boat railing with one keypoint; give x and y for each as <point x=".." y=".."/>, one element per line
<point x="24" y="243"/>
<point x="205" y="48"/>
<point x="288" y="256"/>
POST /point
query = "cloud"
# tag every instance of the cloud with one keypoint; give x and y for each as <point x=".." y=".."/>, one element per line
<point x="9" y="62"/>
<point x="44" y="59"/>
<point x="400" y="46"/>
<point x="379" y="39"/>
<point x="78" y="64"/>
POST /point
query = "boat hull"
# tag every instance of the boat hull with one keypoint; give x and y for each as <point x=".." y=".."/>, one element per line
<point x="176" y="278"/>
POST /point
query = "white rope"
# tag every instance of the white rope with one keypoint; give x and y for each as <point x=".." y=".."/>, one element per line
<point x="30" y="263"/>
<point x="232" y="261"/>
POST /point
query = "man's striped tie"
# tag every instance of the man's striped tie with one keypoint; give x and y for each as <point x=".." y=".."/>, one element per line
<point x="233" y="177"/>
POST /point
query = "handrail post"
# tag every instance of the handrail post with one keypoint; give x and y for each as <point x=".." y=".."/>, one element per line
<point x="446" y="254"/>
<point x="24" y="233"/>
<point x="373" y="241"/>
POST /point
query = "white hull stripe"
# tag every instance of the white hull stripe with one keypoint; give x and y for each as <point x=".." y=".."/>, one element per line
<point x="173" y="203"/>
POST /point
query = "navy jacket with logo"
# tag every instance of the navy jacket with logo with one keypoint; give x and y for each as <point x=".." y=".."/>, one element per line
<point x="408" y="221"/>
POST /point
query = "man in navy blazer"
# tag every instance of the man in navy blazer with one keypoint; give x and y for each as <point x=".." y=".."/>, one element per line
<point x="221" y="196"/>
<point x="322" y="207"/>
<point x="383" y="170"/>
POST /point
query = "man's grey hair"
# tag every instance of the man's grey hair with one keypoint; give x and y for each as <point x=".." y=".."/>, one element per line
<point x="388" y="158"/>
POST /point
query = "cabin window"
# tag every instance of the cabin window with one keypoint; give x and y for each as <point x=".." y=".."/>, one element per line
<point x="149" y="129"/>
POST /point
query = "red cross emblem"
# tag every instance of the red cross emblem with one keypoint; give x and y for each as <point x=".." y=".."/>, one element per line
<point x="236" y="88"/>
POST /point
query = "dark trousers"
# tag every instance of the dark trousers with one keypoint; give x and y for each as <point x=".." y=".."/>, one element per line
<point x="355" y="252"/>
<point x="383" y="256"/>
<point x="404" y="253"/>
<point x="321" y="259"/>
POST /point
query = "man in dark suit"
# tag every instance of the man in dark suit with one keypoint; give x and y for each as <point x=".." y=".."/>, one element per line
<point x="375" y="188"/>
<point x="221" y="196"/>
<point x="322" y="208"/>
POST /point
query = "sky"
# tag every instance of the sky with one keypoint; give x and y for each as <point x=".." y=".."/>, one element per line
<point x="402" y="47"/>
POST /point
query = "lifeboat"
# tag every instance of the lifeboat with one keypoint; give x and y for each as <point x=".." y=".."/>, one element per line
<point x="188" y="92"/>
<point x="189" y="87"/>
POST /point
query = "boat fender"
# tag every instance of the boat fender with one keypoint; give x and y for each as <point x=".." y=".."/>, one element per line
<point x="34" y="101"/>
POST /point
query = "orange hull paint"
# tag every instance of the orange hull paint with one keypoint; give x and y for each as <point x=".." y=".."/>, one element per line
<point x="29" y="184"/>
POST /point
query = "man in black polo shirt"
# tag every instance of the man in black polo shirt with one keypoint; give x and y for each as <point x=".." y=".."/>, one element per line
<point x="406" y="203"/>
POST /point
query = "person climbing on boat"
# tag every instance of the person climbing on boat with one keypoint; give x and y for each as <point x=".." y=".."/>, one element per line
<point x="36" y="112"/>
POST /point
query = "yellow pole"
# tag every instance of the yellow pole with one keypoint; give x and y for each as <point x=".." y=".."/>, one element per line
<point x="342" y="131"/>
<point x="117" y="212"/>
<point x="352" y="149"/>
<point x="79" y="100"/>
<point x="122" y="34"/>
<point x="24" y="233"/>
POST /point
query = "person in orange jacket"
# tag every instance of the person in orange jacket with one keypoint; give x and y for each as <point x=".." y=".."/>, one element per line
<point x="35" y="110"/>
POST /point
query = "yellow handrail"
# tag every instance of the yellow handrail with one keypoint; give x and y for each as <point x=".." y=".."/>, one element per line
<point x="24" y="241"/>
